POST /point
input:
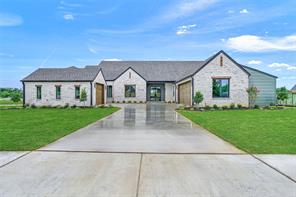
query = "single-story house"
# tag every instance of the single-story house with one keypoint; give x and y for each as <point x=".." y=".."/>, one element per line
<point x="220" y="79"/>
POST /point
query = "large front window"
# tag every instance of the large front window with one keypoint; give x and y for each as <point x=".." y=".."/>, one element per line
<point x="130" y="90"/>
<point x="220" y="88"/>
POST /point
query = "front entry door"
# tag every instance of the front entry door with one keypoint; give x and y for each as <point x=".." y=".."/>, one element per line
<point x="99" y="94"/>
<point x="155" y="94"/>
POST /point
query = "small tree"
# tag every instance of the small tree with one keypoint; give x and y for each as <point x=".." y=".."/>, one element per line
<point x="15" y="97"/>
<point x="253" y="93"/>
<point x="282" y="93"/>
<point x="198" y="98"/>
<point x="83" y="96"/>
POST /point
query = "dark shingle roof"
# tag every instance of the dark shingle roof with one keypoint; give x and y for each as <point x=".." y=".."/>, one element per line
<point x="294" y="88"/>
<point x="151" y="70"/>
<point x="64" y="74"/>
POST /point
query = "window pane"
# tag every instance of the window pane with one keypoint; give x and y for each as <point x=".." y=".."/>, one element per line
<point x="130" y="91"/>
<point x="58" y="92"/>
<point x="220" y="88"/>
<point x="77" y="92"/>
<point x="109" y="91"/>
<point x="38" y="92"/>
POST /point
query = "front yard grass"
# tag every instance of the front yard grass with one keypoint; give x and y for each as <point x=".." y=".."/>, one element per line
<point x="30" y="129"/>
<point x="254" y="131"/>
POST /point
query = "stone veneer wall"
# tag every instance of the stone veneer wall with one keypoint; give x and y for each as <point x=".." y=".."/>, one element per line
<point x="239" y="82"/>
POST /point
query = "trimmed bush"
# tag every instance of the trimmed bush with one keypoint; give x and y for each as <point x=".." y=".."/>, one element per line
<point x="232" y="106"/>
<point x="239" y="106"/>
<point x="215" y="107"/>
<point x="256" y="107"/>
<point x="224" y="107"/>
<point x="207" y="107"/>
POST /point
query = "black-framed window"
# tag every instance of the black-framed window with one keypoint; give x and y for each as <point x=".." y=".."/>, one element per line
<point x="58" y="92"/>
<point x="38" y="92"/>
<point x="109" y="92"/>
<point x="221" y="88"/>
<point x="130" y="90"/>
<point x="77" y="92"/>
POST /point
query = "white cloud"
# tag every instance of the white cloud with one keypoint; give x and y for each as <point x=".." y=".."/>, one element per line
<point x="254" y="62"/>
<point x="251" y="43"/>
<point x="63" y="3"/>
<point x="280" y="66"/>
<point x="10" y="20"/>
<point x="186" y="7"/>
<point x="244" y="11"/>
<point x="92" y="50"/>
<point x="230" y="11"/>
<point x="185" y="29"/>
<point x="6" y="55"/>
<point x="112" y="59"/>
<point x="68" y="17"/>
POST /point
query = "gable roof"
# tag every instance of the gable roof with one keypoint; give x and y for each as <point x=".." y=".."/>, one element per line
<point x="64" y="74"/>
<point x="294" y="88"/>
<point x="151" y="70"/>
<point x="247" y="67"/>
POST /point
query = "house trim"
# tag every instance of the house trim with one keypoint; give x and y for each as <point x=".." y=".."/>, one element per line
<point x="126" y="71"/>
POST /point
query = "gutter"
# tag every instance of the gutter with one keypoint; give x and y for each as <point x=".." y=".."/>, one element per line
<point x="91" y="94"/>
<point x="24" y="94"/>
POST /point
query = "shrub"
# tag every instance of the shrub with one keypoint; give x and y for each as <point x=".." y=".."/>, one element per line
<point x="141" y="101"/>
<point x="66" y="105"/>
<point x="123" y="101"/>
<point x="27" y="105"/>
<point x="266" y="107"/>
<point x="198" y="98"/>
<point x="239" y="106"/>
<point x="83" y="96"/>
<point x="215" y="107"/>
<point x="117" y="102"/>
<point x="271" y="104"/>
<point x="129" y="101"/>
<point x="224" y="107"/>
<point x="253" y="93"/>
<point x="232" y="106"/>
<point x="169" y="102"/>
<point x="135" y="101"/>
<point x="73" y="106"/>
<point x="16" y="97"/>
<point x="280" y="107"/>
<point x="33" y="106"/>
<point x="207" y="107"/>
<point x="113" y="101"/>
<point x="256" y="106"/>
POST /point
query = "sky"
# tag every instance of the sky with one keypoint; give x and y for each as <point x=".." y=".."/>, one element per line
<point x="49" y="33"/>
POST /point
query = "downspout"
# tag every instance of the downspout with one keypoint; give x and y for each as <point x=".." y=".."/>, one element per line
<point x="192" y="85"/>
<point x="91" y="94"/>
<point x="24" y="94"/>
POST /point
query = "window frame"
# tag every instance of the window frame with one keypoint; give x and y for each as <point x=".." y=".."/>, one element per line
<point x="109" y="94"/>
<point x="75" y="96"/>
<point x="228" y="92"/>
<point x="38" y="87"/>
<point x="60" y="95"/>
<point x="125" y="91"/>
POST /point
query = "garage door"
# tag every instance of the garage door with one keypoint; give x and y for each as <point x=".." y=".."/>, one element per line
<point x="185" y="93"/>
<point x="99" y="94"/>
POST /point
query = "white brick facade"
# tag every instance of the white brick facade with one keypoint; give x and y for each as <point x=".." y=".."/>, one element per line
<point x="239" y="82"/>
<point x="129" y="77"/>
<point x="48" y="92"/>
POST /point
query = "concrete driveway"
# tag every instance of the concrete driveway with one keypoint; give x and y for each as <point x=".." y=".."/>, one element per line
<point x="145" y="151"/>
<point x="151" y="128"/>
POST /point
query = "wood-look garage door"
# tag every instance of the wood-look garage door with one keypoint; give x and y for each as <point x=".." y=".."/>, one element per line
<point x="185" y="93"/>
<point x="99" y="94"/>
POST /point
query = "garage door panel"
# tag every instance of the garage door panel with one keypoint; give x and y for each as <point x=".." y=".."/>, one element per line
<point x="185" y="93"/>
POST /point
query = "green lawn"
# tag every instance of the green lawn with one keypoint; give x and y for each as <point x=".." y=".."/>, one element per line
<point x="5" y="101"/>
<point x="29" y="129"/>
<point x="255" y="131"/>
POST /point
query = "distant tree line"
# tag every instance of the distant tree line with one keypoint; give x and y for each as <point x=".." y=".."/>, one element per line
<point x="14" y="94"/>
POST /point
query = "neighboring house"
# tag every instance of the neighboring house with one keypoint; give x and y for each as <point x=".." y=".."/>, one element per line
<point x="293" y="90"/>
<point x="221" y="80"/>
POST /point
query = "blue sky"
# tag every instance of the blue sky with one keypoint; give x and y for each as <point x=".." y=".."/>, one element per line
<point x="49" y="33"/>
